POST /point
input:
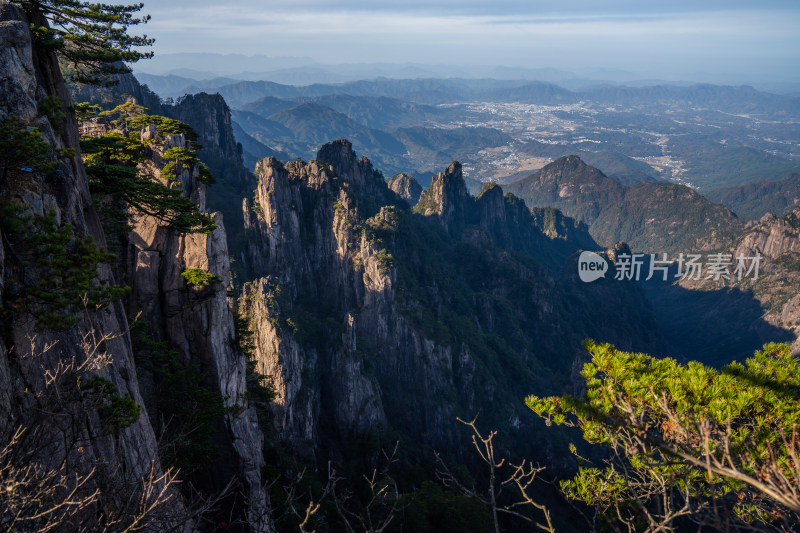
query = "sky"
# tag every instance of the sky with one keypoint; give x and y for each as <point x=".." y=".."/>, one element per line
<point x="676" y="39"/>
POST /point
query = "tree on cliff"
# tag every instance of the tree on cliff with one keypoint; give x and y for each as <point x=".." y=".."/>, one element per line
<point x="92" y="37"/>
<point x="689" y="443"/>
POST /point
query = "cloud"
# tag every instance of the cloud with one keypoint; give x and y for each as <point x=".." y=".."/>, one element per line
<point x="507" y="32"/>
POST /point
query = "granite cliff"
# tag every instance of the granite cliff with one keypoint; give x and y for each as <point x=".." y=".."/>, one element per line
<point x="115" y="462"/>
<point x="78" y="380"/>
<point x="777" y="239"/>
<point x="373" y="320"/>
<point x="196" y="321"/>
<point x="406" y="188"/>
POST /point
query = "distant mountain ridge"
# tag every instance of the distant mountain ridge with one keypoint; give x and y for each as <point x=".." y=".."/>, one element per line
<point x="754" y="200"/>
<point x="309" y="125"/>
<point x="429" y="90"/>
<point x="650" y="216"/>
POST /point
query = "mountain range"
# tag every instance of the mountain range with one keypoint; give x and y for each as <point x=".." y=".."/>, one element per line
<point x="311" y="315"/>
<point x="651" y="216"/>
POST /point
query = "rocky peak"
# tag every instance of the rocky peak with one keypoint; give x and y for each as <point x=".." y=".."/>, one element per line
<point x="359" y="324"/>
<point x="567" y="165"/>
<point x="543" y="232"/>
<point x="346" y="165"/>
<point x="196" y="323"/>
<point x="406" y="187"/>
<point x="579" y="190"/>
<point x="557" y="225"/>
<point x="447" y="197"/>
<point x="772" y="236"/>
<point x="491" y="201"/>
<point x="210" y="117"/>
<point x="620" y="248"/>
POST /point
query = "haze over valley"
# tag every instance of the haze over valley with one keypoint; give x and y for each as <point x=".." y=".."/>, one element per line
<point x="703" y="136"/>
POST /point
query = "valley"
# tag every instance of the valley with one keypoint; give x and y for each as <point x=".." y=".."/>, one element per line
<point x="388" y="304"/>
<point x="500" y="133"/>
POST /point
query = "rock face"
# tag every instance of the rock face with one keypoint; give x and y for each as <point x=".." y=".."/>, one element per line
<point x="122" y="458"/>
<point x="371" y="319"/>
<point x="446" y="197"/>
<point x="198" y="323"/>
<point x="307" y="241"/>
<point x="772" y="237"/>
<point x="406" y="188"/>
<point x="778" y="241"/>
<point x="746" y="312"/>
<point x="503" y="220"/>
<point x="210" y="117"/>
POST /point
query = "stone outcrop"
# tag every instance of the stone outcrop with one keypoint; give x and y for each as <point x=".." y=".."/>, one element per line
<point x="760" y="307"/>
<point x="365" y="331"/>
<point x="303" y="236"/>
<point x="447" y="198"/>
<point x="772" y="236"/>
<point x="123" y="459"/>
<point x="198" y="323"/>
<point x="210" y="117"/>
<point x="406" y="188"/>
<point x="778" y="241"/>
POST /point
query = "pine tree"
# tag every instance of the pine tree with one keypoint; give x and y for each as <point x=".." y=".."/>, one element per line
<point x="91" y="37"/>
<point x="688" y="443"/>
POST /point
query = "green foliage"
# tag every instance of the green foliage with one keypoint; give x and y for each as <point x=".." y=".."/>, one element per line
<point x="52" y="108"/>
<point x="426" y="203"/>
<point x="134" y="118"/>
<point x="117" y="412"/>
<point x="385" y="260"/>
<point x="67" y="153"/>
<point x="92" y="37"/>
<point x="190" y="409"/>
<point x="177" y="159"/>
<point x="22" y="147"/>
<point x="197" y="278"/>
<point x="167" y="126"/>
<point x="436" y="510"/>
<point x="124" y="115"/>
<point x="85" y="111"/>
<point x="60" y="271"/>
<point x="118" y="184"/>
<point x="726" y="438"/>
<point x="204" y="173"/>
<point x="260" y="390"/>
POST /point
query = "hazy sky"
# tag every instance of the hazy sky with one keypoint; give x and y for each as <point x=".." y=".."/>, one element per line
<point x="736" y="38"/>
